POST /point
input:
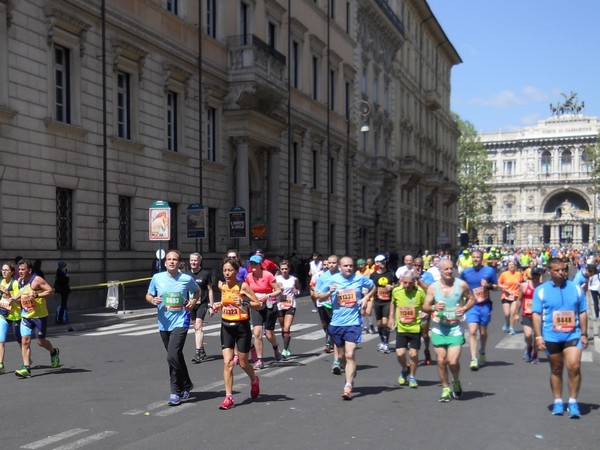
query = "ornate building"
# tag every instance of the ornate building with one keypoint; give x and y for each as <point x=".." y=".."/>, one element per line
<point x="542" y="188"/>
<point x="103" y="113"/>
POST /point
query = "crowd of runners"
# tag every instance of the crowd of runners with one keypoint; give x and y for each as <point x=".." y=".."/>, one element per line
<point x="431" y="301"/>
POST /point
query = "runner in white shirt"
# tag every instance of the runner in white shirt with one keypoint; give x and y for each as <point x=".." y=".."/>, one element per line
<point x="290" y="287"/>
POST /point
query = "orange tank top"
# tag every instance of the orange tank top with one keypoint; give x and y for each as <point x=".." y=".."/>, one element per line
<point x="232" y="311"/>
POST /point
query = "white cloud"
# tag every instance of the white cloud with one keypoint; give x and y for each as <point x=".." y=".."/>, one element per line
<point x="503" y="99"/>
<point x="530" y="119"/>
<point x="535" y="94"/>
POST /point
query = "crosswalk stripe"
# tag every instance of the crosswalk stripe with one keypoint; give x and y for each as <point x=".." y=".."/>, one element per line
<point x="87" y="440"/>
<point x="55" y="438"/>
<point x="516" y="342"/>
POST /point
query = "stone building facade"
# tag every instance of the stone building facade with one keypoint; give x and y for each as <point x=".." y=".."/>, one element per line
<point x="265" y="115"/>
<point x="542" y="188"/>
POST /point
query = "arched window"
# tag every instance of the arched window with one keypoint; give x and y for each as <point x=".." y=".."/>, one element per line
<point x="546" y="163"/>
<point x="566" y="160"/>
<point x="585" y="162"/>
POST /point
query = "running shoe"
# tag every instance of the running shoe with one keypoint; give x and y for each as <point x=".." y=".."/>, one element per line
<point x="427" y="358"/>
<point x="185" y="395"/>
<point x="512" y="331"/>
<point x="228" y="403"/>
<point x="23" y="372"/>
<point x="474" y="366"/>
<point x="174" y="400"/>
<point x="535" y="360"/>
<point x="1" y="368"/>
<point x="314" y="310"/>
<point x="558" y="409"/>
<point x="457" y="389"/>
<point x="365" y="330"/>
<point x="482" y="360"/>
<point x="505" y="328"/>
<point x="412" y="382"/>
<point x="328" y="348"/>
<point x="446" y="395"/>
<point x="372" y="329"/>
<point x="255" y="388"/>
<point x="403" y="378"/>
<point x="347" y="391"/>
<point x="278" y="355"/>
<point x="236" y="360"/>
<point x="259" y="364"/>
<point x="386" y="349"/>
<point x="198" y="358"/>
<point x="253" y="354"/>
<point x="380" y="347"/>
<point x="286" y="353"/>
<point x="336" y="368"/>
<point x="54" y="359"/>
<point x="527" y="356"/>
<point x="574" y="410"/>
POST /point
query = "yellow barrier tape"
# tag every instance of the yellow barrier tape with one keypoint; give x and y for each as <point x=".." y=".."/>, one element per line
<point x="110" y="283"/>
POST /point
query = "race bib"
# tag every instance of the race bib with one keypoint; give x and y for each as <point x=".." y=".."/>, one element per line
<point x="406" y="314"/>
<point x="563" y="321"/>
<point x="346" y="298"/>
<point x="28" y="303"/>
<point x="173" y="301"/>
<point x="528" y="306"/>
<point x="481" y="294"/>
<point x="231" y="310"/>
<point x="447" y="317"/>
<point x="287" y="302"/>
<point x="382" y="293"/>
<point x="509" y="296"/>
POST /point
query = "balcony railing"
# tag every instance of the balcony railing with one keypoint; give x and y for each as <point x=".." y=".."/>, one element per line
<point x="249" y="55"/>
<point x="391" y="15"/>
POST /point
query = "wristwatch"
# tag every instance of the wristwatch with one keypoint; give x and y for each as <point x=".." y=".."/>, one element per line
<point x="584" y="334"/>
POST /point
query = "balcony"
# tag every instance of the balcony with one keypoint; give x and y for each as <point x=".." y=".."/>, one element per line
<point x="256" y="68"/>
<point x="410" y="172"/>
<point x="432" y="100"/>
<point x="391" y="15"/>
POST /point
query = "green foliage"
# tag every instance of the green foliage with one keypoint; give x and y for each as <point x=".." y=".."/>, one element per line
<point x="474" y="173"/>
<point x="592" y="153"/>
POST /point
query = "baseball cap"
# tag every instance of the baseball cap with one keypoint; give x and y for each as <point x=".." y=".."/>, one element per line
<point x="380" y="258"/>
<point x="256" y="259"/>
<point x="360" y="262"/>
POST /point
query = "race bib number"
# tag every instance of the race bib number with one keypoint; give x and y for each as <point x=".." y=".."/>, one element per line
<point x="28" y="302"/>
<point x="481" y="294"/>
<point x="528" y="306"/>
<point x="346" y="298"/>
<point x="287" y="302"/>
<point x="231" y="310"/>
<point x="382" y="293"/>
<point x="563" y="321"/>
<point x="173" y="301"/>
<point x="448" y="317"/>
<point x="407" y="314"/>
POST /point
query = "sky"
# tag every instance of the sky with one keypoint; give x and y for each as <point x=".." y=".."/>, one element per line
<point x="519" y="56"/>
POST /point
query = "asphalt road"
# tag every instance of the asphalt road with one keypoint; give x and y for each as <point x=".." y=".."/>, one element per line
<point x="111" y="390"/>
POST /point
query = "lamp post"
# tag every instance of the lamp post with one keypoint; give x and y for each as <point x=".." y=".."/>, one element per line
<point x="364" y="109"/>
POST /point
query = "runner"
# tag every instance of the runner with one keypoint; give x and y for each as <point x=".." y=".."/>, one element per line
<point x="405" y="315"/>
<point x="446" y="299"/>
<point x="10" y="309"/>
<point x="560" y="326"/>
<point x="290" y="287"/>
<point x="384" y="281"/>
<point x="510" y="281"/>
<point x="236" y="300"/>
<point x="202" y="306"/>
<point x="481" y="279"/>
<point x="424" y="279"/>
<point x="527" y="289"/>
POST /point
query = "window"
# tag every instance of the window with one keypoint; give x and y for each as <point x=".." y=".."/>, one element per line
<point x="124" y="223"/>
<point x="347" y="17"/>
<point x="546" y="162"/>
<point x="244" y="28"/>
<point x="173" y="6"/>
<point x="64" y="219"/>
<point x="332" y="79"/>
<point x="294" y="163"/>
<point x="123" y="105"/>
<point x="271" y="33"/>
<point x="510" y="167"/>
<point x="315" y="163"/>
<point x="315" y="241"/>
<point x="331" y="175"/>
<point x="211" y="18"/>
<point x="332" y="238"/>
<point x="566" y="160"/>
<point x="172" y="122"/>
<point x="295" y="234"/>
<point x="315" y="78"/>
<point x="174" y="217"/>
<point x="295" y="61"/>
<point x="211" y="134"/>
<point x="586" y="164"/>
<point x="212" y="230"/>
<point x="509" y="209"/>
<point x="62" y="84"/>
<point x="331" y="5"/>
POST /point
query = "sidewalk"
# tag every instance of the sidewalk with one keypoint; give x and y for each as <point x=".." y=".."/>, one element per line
<point x="86" y="319"/>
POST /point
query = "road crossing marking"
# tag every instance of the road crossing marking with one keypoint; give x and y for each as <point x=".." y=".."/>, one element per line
<point x="516" y="342"/>
<point x="68" y="434"/>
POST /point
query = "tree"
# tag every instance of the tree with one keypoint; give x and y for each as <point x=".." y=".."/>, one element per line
<point x="592" y="159"/>
<point x="474" y="173"/>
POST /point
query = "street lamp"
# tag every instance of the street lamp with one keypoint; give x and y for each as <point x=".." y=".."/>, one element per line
<point x="364" y="109"/>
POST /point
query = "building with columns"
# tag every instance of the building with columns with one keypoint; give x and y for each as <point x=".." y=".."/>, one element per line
<point x="104" y="112"/>
<point x="543" y="193"/>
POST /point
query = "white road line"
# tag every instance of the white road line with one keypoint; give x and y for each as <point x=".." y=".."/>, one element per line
<point x="88" y="440"/>
<point x="517" y="342"/>
<point x="173" y="410"/>
<point x="55" y="438"/>
<point x="104" y="333"/>
<point x="150" y="407"/>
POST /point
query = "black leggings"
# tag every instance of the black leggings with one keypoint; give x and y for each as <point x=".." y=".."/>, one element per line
<point x="595" y="300"/>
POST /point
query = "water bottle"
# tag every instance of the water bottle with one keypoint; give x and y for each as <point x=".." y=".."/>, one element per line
<point x="269" y="302"/>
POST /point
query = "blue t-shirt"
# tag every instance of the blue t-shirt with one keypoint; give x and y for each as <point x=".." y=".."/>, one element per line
<point x="549" y="298"/>
<point x="580" y="279"/>
<point x="323" y="286"/>
<point x="174" y="291"/>
<point x="346" y="298"/>
<point x="473" y="277"/>
<point x="427" y="278"/>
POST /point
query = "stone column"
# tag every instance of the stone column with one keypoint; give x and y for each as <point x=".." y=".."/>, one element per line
<point x="242" y="192"/>
<point x="273" y="196"/>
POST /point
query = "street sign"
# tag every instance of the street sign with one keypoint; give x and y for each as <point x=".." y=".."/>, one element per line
<point x="159" y="218"/>
<point x="196" y="221"/>
<point x="237" y="223"/>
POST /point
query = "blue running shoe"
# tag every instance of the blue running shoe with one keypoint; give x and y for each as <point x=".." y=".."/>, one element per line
<point x="174" y="400"/>
<point x="558" y="409"/>
<point x="574" y="410"/>
<point x="505" y="328"/>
